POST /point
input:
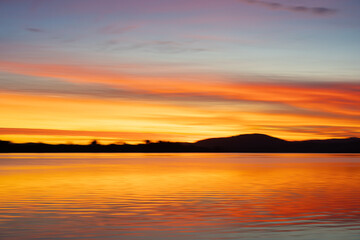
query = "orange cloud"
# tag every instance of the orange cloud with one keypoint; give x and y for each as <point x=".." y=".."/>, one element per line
<point x="104" y="134"/>
<point x="332" y="98"/>
<point x="195" y="106"/>
<point x="118" y="120"/>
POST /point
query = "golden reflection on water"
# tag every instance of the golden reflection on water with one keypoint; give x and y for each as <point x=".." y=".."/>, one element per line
<point x="192" y="196"/>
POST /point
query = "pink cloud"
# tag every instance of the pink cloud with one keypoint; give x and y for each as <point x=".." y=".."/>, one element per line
<point x="117" y="29"/>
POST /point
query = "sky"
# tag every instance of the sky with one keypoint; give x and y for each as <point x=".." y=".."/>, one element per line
<point x="178" y="70"/>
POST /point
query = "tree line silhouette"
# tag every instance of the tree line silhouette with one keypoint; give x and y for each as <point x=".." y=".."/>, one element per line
<point x="255" y="143"/>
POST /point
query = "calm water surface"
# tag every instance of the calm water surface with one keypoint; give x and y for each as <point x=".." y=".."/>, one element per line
<point x="180" y="196"/>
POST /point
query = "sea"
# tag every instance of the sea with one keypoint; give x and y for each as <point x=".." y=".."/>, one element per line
<point x="162" y="196"/>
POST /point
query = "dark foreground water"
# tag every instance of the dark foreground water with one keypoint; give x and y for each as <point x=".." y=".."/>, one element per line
<point x="180" y="196"/>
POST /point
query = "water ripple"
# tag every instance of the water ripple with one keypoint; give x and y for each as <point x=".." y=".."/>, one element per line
<point x="179" y="196"/>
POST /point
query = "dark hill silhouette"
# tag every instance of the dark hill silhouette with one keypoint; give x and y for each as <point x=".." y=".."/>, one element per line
<point x="265" y="143"/>
<point x="241" y="143"/>
<point x="345" y="145"/>
<point x="244" y="143"/>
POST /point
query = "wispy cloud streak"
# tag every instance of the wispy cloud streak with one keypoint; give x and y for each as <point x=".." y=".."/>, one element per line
<point x="336" y="99"/>
<point x="291" y="8"/>
<point x="115" y="29"/>
<point x="35" y="30"/>
<point x="61" y="132"/>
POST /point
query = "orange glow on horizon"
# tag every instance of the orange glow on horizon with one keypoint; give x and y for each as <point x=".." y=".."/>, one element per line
<point x="179" y="109"/>
<point x="119" y="120"/>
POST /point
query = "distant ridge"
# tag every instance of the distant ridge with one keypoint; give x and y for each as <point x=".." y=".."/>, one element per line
<point x="244" y="143"/>
<point x="264" y="143"/>
<point x="255" y="143"/>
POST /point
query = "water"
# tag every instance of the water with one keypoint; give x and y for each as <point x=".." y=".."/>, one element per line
<point x="180" y="196"/>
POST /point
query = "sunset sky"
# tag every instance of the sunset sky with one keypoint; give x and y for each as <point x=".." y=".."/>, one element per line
<point x="178" y="70"/>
